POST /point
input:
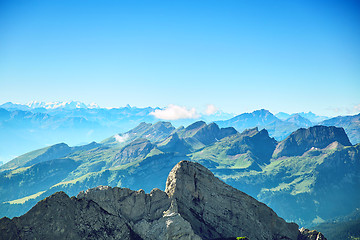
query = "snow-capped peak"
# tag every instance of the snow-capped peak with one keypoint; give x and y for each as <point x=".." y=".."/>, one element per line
<point x="63" y="105"/>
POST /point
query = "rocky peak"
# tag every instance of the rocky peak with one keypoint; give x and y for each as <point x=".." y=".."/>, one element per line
<point x="205" y="133"/>
<point x="262" y="112"/>
<point x="216" y="210"/>
<point x="306" y="234"/>
<point x="49" y="153"/>
<point x="303" y="140"/>
<point x="137" y="148"/>
<point x="250" y="131"/>
<point x="211" y="133"/>
<point x="153" y="132"/>
<point x="190" y="130"/>
<point x="258" y="142"/>
<point x="299" y="120"/>
<point x="196" y="125"/>
<point x="195" y="205"/>
<point x="174" y="144"/>
<point x="244" y="121"/>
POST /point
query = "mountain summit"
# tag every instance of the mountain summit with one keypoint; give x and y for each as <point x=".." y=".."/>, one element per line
<point x="195" y="205"/>
<point x="303" y="140"/>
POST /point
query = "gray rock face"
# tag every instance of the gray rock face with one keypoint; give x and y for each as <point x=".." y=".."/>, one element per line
<point x="138" y="148"/>
<point x="303" y="140"/>
<point x="216" y="210"/>
<point x="174" y="144"/>
<point x="59" y="217"/>
<point x="306" y="234"/>
<point x="196" y="205"/>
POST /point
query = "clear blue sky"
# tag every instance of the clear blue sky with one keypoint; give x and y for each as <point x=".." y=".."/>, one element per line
<point x="280" y="55"/>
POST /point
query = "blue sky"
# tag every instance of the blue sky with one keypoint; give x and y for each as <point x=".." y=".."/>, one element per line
<point x="289" y="56"/>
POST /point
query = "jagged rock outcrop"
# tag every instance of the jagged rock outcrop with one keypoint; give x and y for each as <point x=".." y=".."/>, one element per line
<point x="212" y="133"/>
<point x="205" y="134"/>
<point x="258" y="142"/>
<point x="138" y="148"/>
<point x="215" y="209"/>
<point x="306" y="234"/>
<point x="195" y="205"/>
<point x="174" y="144"/>
<point x="303" y="140"/>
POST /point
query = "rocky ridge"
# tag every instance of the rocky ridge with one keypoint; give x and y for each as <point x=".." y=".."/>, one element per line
<point x="195" y="205"/>
<point x="303" y="140"/>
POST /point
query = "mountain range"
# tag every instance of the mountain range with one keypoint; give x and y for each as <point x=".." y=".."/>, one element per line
<point x="281" y="128"/>
<point x="297" y="176"/>
<point x="48" y="105"/>
<point x="24" y="127"/>
<point x="312" y="117"/>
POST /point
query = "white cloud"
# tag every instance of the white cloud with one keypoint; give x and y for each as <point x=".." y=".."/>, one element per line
<point x="211" y="109"/>
<point x="122" y="138"/>
<point x="174" y="112"/>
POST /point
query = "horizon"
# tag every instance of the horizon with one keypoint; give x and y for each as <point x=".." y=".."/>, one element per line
<point x="198" y="115"/>
<point x="291" y="57"/>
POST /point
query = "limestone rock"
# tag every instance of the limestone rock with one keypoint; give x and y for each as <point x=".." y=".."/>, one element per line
<point x="303" y="140"/>
<point x="216" y="210"/>
<point x="196" y="205"/>
<point x="306" y="234"/>
<point x="138" y="148"/>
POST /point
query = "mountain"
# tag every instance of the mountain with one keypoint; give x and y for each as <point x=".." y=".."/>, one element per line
<point x="199" y="134"/>
<point x="313" y="117"/>
<point x="277" y="128"/>
<point x="186" y="210"/>
<point x="303" y="140"/>
<point x="351" y="124"/>
<point x="135" y="150"/>
<point x="37" y="156"/>
<point x="282" y="115"/>
<point x="299" y="184"/>
<point x="47" y="105"/>
<point x="14" y="106"/>
<point x="299" y="120"/>
<point x="257" y="118"/>
<point x="249" y="150"/>
<point x="309" y="116"/>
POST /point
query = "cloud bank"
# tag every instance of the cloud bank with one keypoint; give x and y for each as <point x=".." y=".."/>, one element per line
<point x="174" y="112"/>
